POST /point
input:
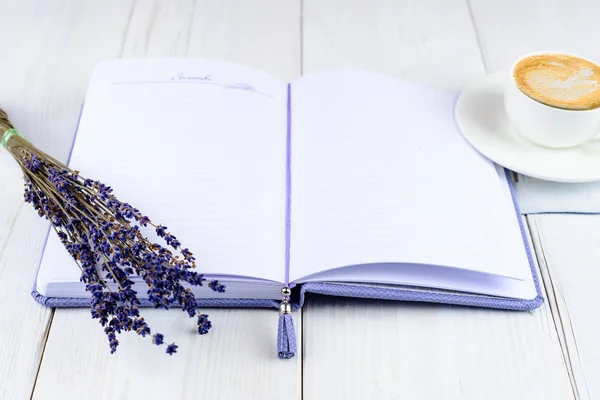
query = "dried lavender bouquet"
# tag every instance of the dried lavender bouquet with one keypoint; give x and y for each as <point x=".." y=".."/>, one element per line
<point x="103" y="236"/>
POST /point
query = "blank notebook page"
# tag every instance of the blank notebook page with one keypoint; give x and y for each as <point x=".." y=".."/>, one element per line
<point x="196" y="146"/>
<point x="380" y="174"/>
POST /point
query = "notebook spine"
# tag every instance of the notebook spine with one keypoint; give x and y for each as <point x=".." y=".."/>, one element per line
<point x="286" y="336"/>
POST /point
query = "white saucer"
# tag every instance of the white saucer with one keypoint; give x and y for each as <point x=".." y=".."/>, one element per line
<point x="481" y="118"/>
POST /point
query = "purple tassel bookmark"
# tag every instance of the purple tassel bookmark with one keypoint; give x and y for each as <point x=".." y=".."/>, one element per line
<point x="286" y="337"/>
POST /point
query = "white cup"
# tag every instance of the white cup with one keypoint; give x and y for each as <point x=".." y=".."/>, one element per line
<point x="546" y="125"/>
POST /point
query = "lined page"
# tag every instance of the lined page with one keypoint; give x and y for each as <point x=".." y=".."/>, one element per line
<point x="199" y="147"/>
<point x="380" y="174"/>
<point x="433" y="277"/>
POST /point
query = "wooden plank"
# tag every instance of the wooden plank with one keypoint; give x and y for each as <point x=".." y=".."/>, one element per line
<point x="44" y="54"/>
<point x="510" y="28"/>
<point x="567" y="244"/>
<point x="238" y="358"/>
<point x="430" y="42"/>
<point x="375" y="349"/>
<point x="24" y="322"/>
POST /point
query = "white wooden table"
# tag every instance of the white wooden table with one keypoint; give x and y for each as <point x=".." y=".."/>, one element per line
<point x="348" y="348"/>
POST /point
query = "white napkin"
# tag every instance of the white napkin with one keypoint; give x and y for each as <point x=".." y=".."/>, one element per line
<point x="538" y="196"/>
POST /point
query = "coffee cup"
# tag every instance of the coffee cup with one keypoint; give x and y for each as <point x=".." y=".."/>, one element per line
<point x="553" y="99"/>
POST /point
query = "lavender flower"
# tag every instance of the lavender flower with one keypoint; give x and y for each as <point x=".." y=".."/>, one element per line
<point x="204" y="324"/>
<point x="171" y="349"/>
<point x="216" y="286"/>
<point x="158" y="339"/>
<point x="103" y="236"/>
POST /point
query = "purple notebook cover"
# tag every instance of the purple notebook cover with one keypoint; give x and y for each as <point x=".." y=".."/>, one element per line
<point x="344" y="290"/>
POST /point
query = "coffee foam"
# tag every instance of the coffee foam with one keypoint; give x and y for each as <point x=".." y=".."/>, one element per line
<point x="559" y="80"/>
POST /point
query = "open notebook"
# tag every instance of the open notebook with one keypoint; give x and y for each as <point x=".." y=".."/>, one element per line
<point x="344" y="182"/>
